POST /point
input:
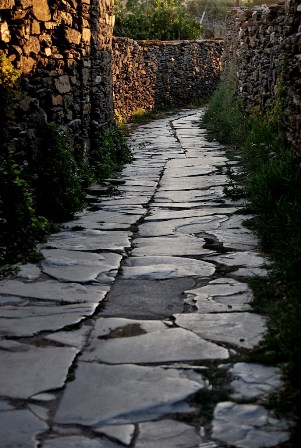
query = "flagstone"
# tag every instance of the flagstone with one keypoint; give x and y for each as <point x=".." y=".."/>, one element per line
<point x="29" y="370"/>
<point x="174" y="245"/>
<point x="120" y="433"/>
<point x="168" y="345"/>
<point x="167" y="434"/>
<point x="52" y="290"/>
<point x="254" y="380"/>
<point x="122" y="393"/>
<point x="81" y="267"/>
<point x="247" y="426"/>
<point x="238" y="329"/>
<point x="166" y="267"/>
<point x="20" y="428"/>
<point x="220" y="295"/>
<point x="90" y="240"/>
<point x="78" y="442"/>
<point x="16" y="321"/>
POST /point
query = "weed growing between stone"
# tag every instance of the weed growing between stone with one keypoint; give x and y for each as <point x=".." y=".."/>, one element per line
<point x="272" y="182"/>
<point x="48" y="182"/>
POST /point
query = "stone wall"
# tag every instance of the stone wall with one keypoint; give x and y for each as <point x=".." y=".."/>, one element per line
<point x="64" y="49"/>
<point x="150" y="74"/>
<point x="265" y="43"/>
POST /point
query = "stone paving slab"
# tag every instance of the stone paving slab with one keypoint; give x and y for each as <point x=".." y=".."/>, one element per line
<point x="167" y="345"/>
<point x="29" y="370"/>
<point x="164" y="267"/>
<point x="51" y="290"/>
<point x="238" y="329"/>
<point x="81" y="267"/>
<point x="122" y="393"/>
<point x="254" y="426"/>
<point x="19" y="429"/>
<point x="90" y="240"/>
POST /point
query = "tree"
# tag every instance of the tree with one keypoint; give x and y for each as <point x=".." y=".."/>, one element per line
<point x="155" y="19"/>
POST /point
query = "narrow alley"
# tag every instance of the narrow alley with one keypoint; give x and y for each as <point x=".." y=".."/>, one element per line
<point x="133" y="329"/>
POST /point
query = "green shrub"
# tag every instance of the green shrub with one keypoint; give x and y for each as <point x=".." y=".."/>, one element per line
<point x="272" y="182"/>
<point x="156" y="19"/>
<point x="111" y="155"/>
<point x="20" y="226"/>
<point x="58" y="183"/>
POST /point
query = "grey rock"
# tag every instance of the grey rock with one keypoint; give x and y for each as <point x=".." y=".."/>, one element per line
<point x="81" y="267"/>
<point x="181" y="245"/>
<point x="28" y="370"/>
<point x="122" y="394"/>
<point x="51" y="290"/>
<point x="167" y="434"/>
<point x="120" y="433"/>
<point x="239" y="329"/>
<point x="221" y="295"/>
<point x="247" y="426"/>
<point x="19" y="429"/>
<point x="94" y="240"/>
<point x="75" y="338"/>
<point x="166" y="267"/>
<point x="30" y="320"/>
<point x="169" y="345"/>
<point x="78" y="442"/>
<point x="254" y="380"/>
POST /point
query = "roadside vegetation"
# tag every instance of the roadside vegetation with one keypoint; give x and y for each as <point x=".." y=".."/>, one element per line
<point x="271" y="180"/>
<point x="46" y="184"/>
<point x="155" y="19"/>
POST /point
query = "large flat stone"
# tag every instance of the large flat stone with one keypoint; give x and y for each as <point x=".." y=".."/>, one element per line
<point x="238" y="329"/>
<point x="90" y="240"/>
<point x="26" y="370"/>
<point x="78" y="442"/>
<point x="81" y="267"/>
<point x="52" y="290"/>
<point x="17" y="321"/>
<point x="121" y="433"/>
<point x="174" y="245"/>
<point x="221" y="295"/>
<point x="19" y="429"/>
<point x="122" y="394"/>
<point x="167" y="345"/>
<point x="247" y="426"/>
<point x="254" y="380"/>
<point x="167" y="434"/>
<point x="166" y="267"/>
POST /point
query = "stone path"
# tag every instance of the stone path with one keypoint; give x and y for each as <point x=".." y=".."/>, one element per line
<point x="129" y="332"/>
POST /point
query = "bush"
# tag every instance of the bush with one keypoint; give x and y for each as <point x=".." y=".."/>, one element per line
<point x="272" y="181"/>
<point x="156" y="19"/>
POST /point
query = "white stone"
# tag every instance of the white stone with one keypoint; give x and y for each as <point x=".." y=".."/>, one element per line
<point x="167" y="434"/>
<point x="93" y="240"/>
<point x="51" y="290"/>
<point x="78" y="442"/>
<point x="247" y="426"/>
<point x="29" y="370"/>
<point x="30" y="320"/>
<point x="81" y="267"/>
<point x="168" y="345"/>
<point x="121" y="433"/>
<point x="19" y="429"/>
<point x="74" y="338"/>
<point x="166" y="267"/>
<point x="122" y="394"/>
<point x="239" y="329"/>
<point x="181" y="245"/>
<point x="254" y="380"/>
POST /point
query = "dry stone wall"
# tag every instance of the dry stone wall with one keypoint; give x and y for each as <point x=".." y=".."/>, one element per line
<point x="265" y="43"/>
<point x="151" y="74"/>
<point x="64" y="50"/>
